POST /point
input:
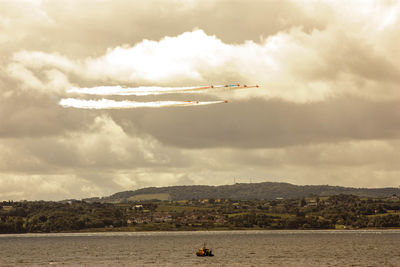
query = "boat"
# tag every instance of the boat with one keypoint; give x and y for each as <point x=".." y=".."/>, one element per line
<point x="203" y="252"/>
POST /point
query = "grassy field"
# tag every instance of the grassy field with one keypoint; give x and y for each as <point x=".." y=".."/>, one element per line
<point x="160" y="196"/>
<point x="285" y="215"/>
<point x="173" y="208"/>
<point x="393" y="212"/>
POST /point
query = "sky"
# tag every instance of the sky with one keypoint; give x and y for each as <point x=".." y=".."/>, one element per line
<point x="326" y="110"/>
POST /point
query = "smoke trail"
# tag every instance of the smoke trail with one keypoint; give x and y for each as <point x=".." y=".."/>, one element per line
<point x="111" y="104"/>
<point x="149" y="90"/>
<point x="141" y="91"/>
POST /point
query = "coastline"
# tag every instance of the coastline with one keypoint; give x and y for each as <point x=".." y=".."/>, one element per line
<point x="121" y="232"/>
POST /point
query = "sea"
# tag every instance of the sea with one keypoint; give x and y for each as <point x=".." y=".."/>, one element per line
<point x="231" y="248"/>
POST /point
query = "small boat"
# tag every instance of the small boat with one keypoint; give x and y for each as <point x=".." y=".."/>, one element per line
<point x="203" y="252"/>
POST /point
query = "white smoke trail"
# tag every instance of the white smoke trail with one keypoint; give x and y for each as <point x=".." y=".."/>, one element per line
<point x="141" y="91"/>
<point x="112" y="104"/>
<point x="148" y="90"/>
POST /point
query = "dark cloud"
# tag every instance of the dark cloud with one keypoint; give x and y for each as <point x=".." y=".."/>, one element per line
<point x="35" y="114"/>
<point x="263" y="124"/>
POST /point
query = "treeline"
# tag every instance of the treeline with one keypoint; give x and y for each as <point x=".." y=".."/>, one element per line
<point x="276" y="222"/>
<point x="34" y="217"/>
<point x="313" y="212"/>
<point x="250" y="191"/>
<point x="341" y="211"/>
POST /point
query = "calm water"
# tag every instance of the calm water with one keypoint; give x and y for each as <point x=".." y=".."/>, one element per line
<point x="239" y="248"/>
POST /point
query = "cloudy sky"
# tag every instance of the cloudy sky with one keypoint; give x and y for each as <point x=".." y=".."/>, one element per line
<point x="327" y="110"/>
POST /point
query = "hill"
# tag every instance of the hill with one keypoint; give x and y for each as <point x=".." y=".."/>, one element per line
<point x="243" y="191"/>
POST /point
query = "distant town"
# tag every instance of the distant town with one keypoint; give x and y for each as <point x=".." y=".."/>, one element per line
<point x="312" y="212"/>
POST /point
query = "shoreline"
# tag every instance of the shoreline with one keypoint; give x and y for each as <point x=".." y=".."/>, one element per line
<point x="241" y="231"/>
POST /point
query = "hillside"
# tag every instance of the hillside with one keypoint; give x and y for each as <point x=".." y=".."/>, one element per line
<point x="243" y="191"/>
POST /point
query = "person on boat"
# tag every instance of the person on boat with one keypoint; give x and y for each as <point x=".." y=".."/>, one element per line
<point x="209" y="252"/>
<point x="200" y="252"/>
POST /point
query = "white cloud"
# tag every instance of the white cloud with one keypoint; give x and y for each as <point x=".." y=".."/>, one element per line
<point x="16" y="186"/>
<point x="293" y="65"/>
<point x="99" y="162"/>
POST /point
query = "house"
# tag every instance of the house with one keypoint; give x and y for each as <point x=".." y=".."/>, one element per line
<point x="138" y="207"/>
<point x="162" y="218"/>
<point x="140" y="219"/>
